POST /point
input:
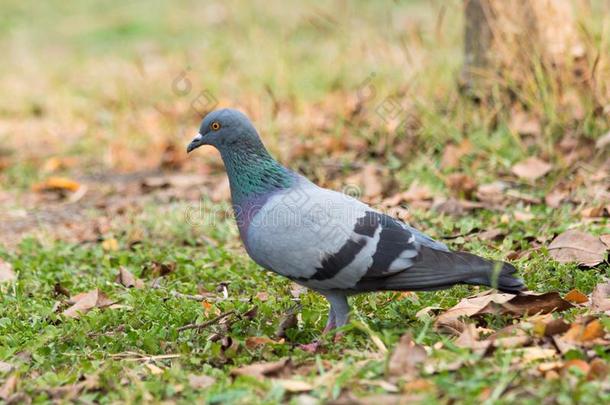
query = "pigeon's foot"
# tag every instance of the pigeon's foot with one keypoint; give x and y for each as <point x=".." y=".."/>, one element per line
<point x="312" y="347"/>
<point x="338" y="337"/>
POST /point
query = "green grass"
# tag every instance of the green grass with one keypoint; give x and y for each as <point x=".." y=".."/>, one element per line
<point x="50" y="350"/>
<point x="96" y="82"/>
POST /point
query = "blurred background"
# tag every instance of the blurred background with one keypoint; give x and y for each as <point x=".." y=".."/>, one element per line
<point x="438" y="98"/>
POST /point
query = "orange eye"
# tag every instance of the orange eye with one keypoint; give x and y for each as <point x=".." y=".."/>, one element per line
<point x="215" y="126"/>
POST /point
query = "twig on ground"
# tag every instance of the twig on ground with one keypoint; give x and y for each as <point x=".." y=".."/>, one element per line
<point x="206" y="324"/>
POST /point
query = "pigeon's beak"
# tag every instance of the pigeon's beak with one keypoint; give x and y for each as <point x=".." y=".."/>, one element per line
<point x="195" y="143"/>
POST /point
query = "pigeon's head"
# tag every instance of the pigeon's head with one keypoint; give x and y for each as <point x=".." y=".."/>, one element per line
<point x="226" y="129"/>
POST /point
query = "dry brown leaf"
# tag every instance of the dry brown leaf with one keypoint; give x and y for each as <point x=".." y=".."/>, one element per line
<point x="603" y="141"/>
<point x="555" y="197"/>
<point x="6" y="272"/>
<point x="261" y="370"/>
<point x="174" y="180"/>
<point x="373" y="186"/>
<point x="523" y="216"/>
<point x="200" y="382"/>
<point x="525" y="124"/>
<point x="255" y="341"/>
<point x="263" y="296"/>
<point x="461" y="184"/>
<point x="577" y="246"/>
<point x="110" y="245"/>
<point x="605" y="240"/>
<point x="6" y="367"/>
<point x="575" y="296"/>
<point x="9" y="387"/>
<point x="598" y="211"/>
<point x="84" y="302"/>
<point x="536" y="353"/>
<point x="600" y="297"/>
<point x="127" y="279"/>
<point x="492" y="193"/>
<point x="576" y="363"/>
<point x="502" y="304"/>
<point x="453" y="153"/>
<point x="469" y="339"/>
<point x="531" y="168"/>
<point x="583" y="332"/>
<point x="406" y="357"/>
<point x="289" y="320"/>
<point x="295" y="385"/>
<point x="598" y="370"/>
<point x="527" y="304"/>
<point x="73" y="390"/>
<point x="57" y="184"/>
<point x="154" y="369"/>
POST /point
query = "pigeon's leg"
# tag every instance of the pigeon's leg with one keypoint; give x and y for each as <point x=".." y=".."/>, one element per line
<point x="340" y="308"/>
<point x="337" y="317"/>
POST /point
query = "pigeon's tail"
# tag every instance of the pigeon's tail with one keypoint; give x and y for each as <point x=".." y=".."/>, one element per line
<point x="437" y="269"/>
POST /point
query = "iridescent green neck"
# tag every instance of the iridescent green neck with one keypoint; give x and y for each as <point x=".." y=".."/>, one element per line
<point x="253" y="172"/>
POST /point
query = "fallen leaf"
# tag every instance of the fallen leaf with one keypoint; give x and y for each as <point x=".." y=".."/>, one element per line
<point x="551" y="328"/>
<point x="502" y="304"/>
<point x="531" y="168"/>
<point x="461" y="184"/>
<point x="255" y="341"/>
<point x="492" y="193"/>
<point x="600" y="297"/>
<point x="73" y="390"/>
<point x="598" y="211"/>
<point x="524" y="123"/>
<point x="536" y="353"/>
<point x="603" y="141"/>
<point x="6" y="367"/>
<point x="175" y="180"/>
<point x="200" y="382"/>
<point x="406" y="357"/>
<point x="154" y="369"/>
<point x="523" y="216"/>
<point x="6" y="272"/>
<point x="605" y="240"/>
<point x="527" y="304"/>
<point x="57" y="184"/>
<point x="555" y="197"/>
<point x="8" y="388"/>
<point x="576" y="363"/>
<point x="84" y="302"/>
<point x="491" y="234"/>
<point x="263" y="296"/>
<point x="263" y="369"/>
<point x="294" y="385"/>
<point x="110" y="245"/>
<point x="598" y="370"/>
<point x="469" y="339"/>
<point x="583" y="332"/>
<point x="158" y="269"/>
<point x="289" y="320"/>
<point x="577" y="246"/>
<point x="454" y="153"/>
<point x="576" y="297"/>
<point x="373" y="186"/>
<point x="127" y="279"/>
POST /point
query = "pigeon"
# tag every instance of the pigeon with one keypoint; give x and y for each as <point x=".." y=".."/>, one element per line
<point x="328" y="241"/>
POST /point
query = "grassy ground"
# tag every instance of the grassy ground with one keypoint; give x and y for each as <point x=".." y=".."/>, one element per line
<point x="108" y="94"/>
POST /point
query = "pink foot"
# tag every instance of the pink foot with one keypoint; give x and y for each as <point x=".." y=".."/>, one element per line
<point x="312" y="347"/>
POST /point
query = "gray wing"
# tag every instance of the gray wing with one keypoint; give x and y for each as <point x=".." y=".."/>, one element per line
<point x="331" y="241"/>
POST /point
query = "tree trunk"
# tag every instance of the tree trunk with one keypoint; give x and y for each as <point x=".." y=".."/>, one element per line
<point x="507" y="42"/>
